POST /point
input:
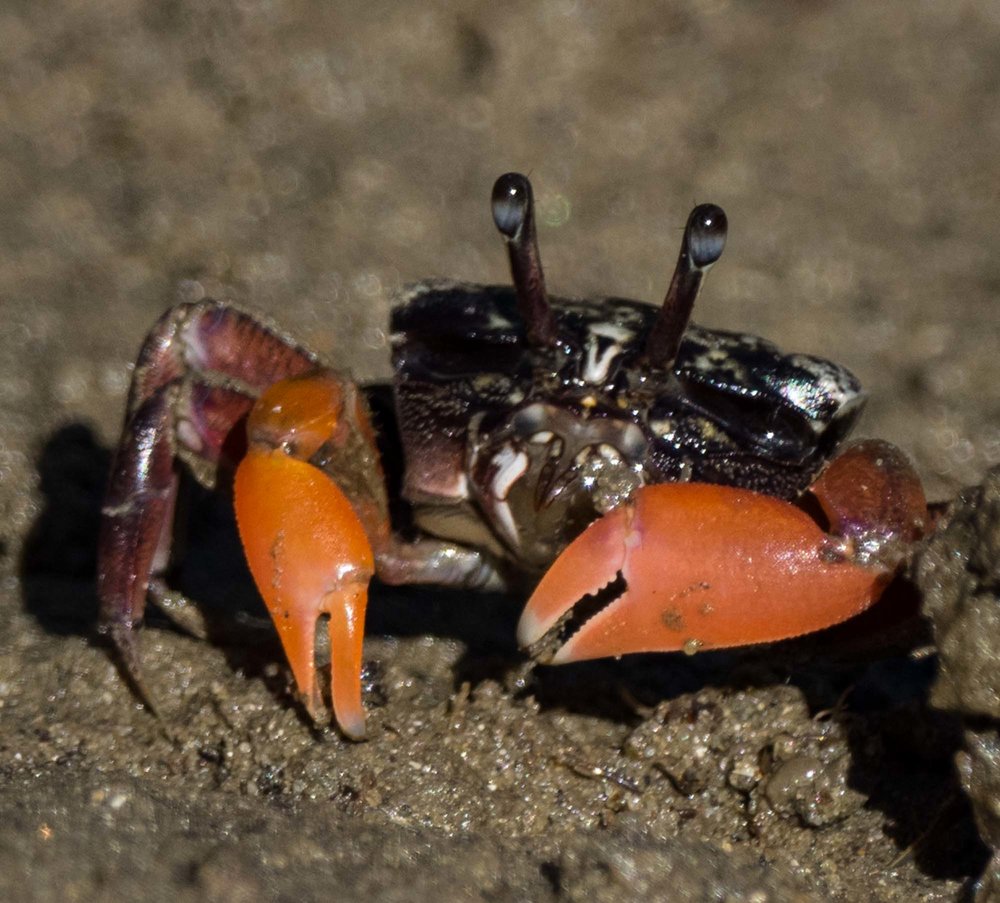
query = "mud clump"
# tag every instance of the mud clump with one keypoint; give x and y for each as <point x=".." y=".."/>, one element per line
<point x="959" y="573"/>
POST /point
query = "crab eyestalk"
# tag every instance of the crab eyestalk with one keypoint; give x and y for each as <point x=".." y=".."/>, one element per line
<point x="514" y="214"/>
<point x="702" y="245"/>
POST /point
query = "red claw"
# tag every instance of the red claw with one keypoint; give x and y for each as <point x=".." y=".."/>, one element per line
<point x="705" y="566"/>
<point x="309" y="556"/>
<point x="305" y="540"/>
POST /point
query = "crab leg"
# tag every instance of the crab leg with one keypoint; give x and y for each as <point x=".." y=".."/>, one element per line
<point x="194" y="381"/>
<point x="701" y="566"/>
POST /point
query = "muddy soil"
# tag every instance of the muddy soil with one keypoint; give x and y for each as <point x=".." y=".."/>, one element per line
<point x="308" y="159"/>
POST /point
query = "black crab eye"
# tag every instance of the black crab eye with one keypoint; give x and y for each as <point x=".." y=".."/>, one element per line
<point x="706" y="234"/>
<point x="512" y="201"/>
<point x="702" y="245"/>
<point x="513" y="212"/>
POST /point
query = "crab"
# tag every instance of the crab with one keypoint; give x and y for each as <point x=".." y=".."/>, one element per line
<point x="663" y="486"/>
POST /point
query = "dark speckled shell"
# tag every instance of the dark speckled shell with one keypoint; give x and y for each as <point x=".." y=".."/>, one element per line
<point x="733" y="409"/>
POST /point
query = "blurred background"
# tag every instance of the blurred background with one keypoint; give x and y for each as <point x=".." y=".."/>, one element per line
<point x="308" y="158"/>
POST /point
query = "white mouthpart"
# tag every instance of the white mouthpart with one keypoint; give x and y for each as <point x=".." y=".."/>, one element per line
<point x="595" y="370"/>
<point x="511" y="466"/>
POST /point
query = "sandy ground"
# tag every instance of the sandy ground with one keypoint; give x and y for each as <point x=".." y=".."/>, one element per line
<point x="307" y="159"/>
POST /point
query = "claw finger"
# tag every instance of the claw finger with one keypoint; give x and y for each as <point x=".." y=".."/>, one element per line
<point x="347" y="630"/>
<point x="589" y="564"/>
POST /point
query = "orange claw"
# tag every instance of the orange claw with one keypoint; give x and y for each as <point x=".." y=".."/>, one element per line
<point x="307" y="549"/>
<point x="704" y="567"/>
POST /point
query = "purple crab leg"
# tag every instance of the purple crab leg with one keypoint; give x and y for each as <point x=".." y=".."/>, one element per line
<point x="197" y="376"/>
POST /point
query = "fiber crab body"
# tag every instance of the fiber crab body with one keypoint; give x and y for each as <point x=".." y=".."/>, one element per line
<point x="671" y="487"/>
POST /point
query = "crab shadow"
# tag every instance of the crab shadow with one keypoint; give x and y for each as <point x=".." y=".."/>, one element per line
<point x="58" y="562"/>
<point x="902" y="749"/>
<point x="59" y="554"/>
